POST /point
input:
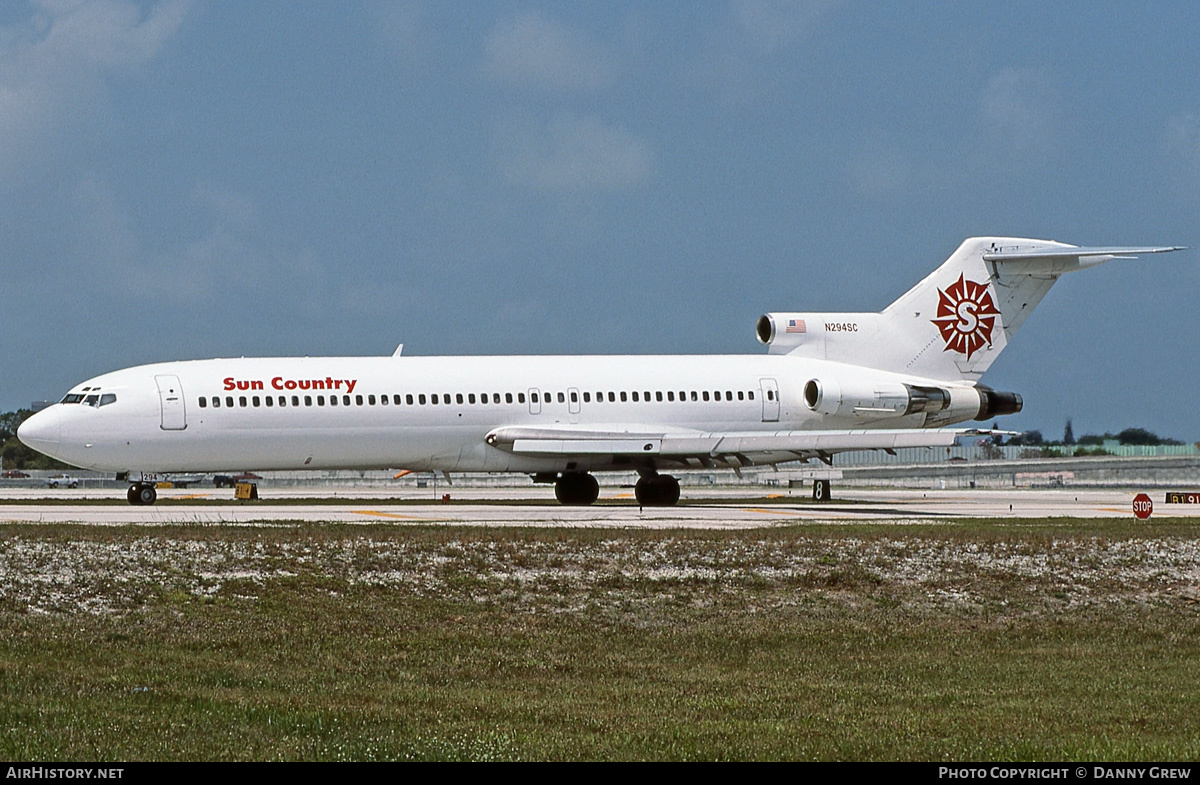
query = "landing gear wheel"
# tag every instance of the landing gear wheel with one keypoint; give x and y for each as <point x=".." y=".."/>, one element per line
<point x="657" y="490"/>
<point x="141" y="493"/>
<point x="821" y="491"/>
<point x="577" y="489"/>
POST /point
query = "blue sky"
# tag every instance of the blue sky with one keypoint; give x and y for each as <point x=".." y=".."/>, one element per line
<point x="193" y="179"/>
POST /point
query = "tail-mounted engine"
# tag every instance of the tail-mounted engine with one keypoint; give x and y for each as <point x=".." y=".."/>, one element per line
<point x="880" y="400"/>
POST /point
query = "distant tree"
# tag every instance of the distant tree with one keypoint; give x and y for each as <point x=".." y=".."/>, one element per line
<point x="1028" y="438"/>
<point x="13" y="454"/>
<point x="990" y="452"/>
<point x="1138" y="436"/>
<point x="1068" y="433"/>
<point x="1092" y="439"/>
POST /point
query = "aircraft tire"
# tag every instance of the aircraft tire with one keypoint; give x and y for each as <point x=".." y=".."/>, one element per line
<point x="657" y="490"/>
<point x="145" y="494"/>
<point x="577" y="489"/>
<point x="132" y="495"/>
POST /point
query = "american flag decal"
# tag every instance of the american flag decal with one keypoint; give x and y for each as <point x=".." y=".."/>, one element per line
<point x="795" y="326"/>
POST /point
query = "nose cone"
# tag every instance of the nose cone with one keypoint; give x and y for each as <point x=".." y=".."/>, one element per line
<point x="41" y="432"/>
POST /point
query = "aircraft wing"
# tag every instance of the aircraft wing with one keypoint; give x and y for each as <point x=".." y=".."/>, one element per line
<point x="710" y="448"/>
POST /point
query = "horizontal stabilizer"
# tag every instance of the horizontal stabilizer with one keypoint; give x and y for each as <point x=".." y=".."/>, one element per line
<point x="1109" y="252"/>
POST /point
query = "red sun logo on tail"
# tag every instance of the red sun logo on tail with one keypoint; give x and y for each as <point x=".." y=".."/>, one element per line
<point x="966" y="316"/>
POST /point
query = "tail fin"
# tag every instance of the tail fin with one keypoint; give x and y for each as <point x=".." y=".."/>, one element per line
<point x="954" y="323"/>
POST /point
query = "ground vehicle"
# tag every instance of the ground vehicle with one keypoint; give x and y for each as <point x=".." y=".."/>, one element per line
<point x="63" y="480"/>
<point x="14" y="474"/>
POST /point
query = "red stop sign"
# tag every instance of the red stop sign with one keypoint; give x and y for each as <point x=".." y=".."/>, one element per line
<point x="1142" y="506"/>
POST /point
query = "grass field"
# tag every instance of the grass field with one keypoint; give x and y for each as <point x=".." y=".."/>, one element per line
<point x="971" y="640"/>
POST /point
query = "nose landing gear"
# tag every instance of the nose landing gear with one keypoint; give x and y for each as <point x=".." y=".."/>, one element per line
<point x="141" y="494"/>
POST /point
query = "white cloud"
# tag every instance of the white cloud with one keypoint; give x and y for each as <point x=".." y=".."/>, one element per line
<point x="54" y="66"/>
<point x="231" y="251"/>
<point x="534" y="51"/>
<point x="574" y="154"/>
<point x="1019" y="111"/>
<point x="1182" y="138"/>
<point x="775" y="23"/>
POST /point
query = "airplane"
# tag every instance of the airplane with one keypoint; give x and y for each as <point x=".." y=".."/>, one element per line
<point x="828" y="383"/>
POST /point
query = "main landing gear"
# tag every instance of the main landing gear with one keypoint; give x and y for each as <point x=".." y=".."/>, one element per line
<point x="580" y="489"/>
<point x="576" y="488"/>
<point x="141" y="493"/>
<point x="657" y="490"/>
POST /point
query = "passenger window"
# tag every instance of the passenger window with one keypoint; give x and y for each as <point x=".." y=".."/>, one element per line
<point x="470" y="397"/>
<point x="333" y="401"/>
<point x="255" y="400"/>
<point x="409" y="399"/>
<point x="520" y="397"/>
<point x="242" y="401"/>
<point x="741" y="395"/>
<point x="574" y="397"/>
<point x="751" y="394"/>
<point x="321" y="400"/>
<point x="433" y="399"/>
<point x="635" y="396"/>
<point x="562" y="398"/>
<point x="269" y="401"/>
<point x="283" y="400"/>
<point x="508" y="397"/>
<point x="357" y="400"/>
<point x="371" y="400"/>
<point x="308" y="400"/>
<point x="704" y="394"/>
<point x="533" y="397"/>
<point x="612" y="397"/>
<point x="694" y="396"/>
<point x="458" y="397"/>
<point x="216" y="402"/>
<point x="296" y="400"/>
<point x="624" y="396"/>
<point x="203" y="402"/>
<point x="658" y="396"/>
<point x="671" y="395"/>
<point x="770" y="395"/>
<point x="587" y="397"/>
<point x="495" y="397"/>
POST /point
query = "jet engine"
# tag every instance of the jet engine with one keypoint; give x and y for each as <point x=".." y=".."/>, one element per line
<point x="871" y="400"/>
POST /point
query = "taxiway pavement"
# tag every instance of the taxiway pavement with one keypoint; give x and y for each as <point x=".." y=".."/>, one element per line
<point x="508" y="507"/>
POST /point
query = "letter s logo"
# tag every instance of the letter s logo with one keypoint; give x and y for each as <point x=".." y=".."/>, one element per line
<point x="967" y="320"/>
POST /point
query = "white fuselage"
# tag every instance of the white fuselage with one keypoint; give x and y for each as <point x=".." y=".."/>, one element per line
<point x="435" y="413"/>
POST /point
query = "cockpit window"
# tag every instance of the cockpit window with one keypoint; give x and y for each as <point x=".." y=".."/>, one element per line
<point x="72" y="398"/>
<point x="92" y="400"/>
<point x="108" y="398"/>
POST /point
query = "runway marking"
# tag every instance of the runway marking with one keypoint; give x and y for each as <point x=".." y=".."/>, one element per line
<point x="772" y="512"/>
<point x="388" y="515"/>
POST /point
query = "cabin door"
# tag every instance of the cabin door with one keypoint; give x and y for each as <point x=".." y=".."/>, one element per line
<point x="170" y="396"/>
<point x="770" y="400"/>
